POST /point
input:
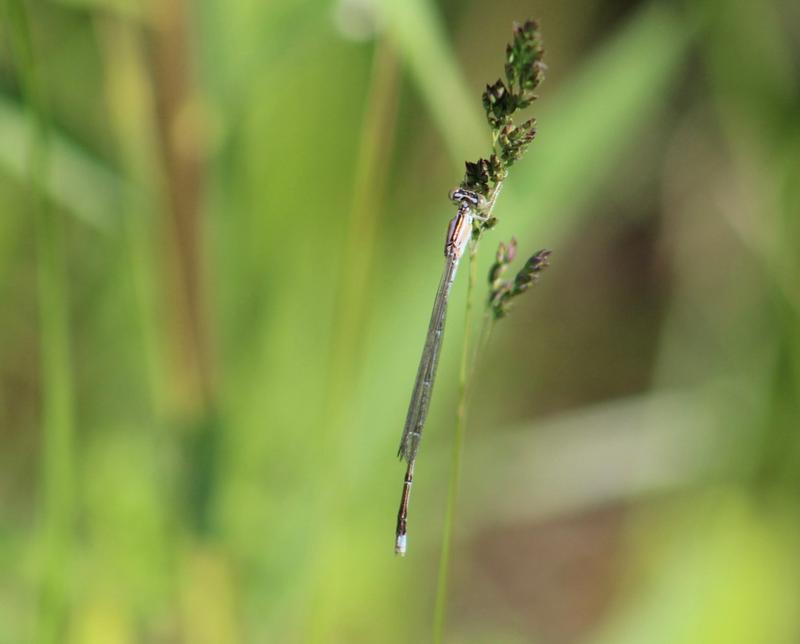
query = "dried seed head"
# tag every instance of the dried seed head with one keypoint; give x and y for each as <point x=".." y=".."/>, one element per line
<point x="501" y="100"/>
<point x="512" y="250"/>
<point x="503" y="292"/>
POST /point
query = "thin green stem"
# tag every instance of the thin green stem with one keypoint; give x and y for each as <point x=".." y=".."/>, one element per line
<point x="487" y="326"/>
<point x="466" y="373"/>
<point x="440" y="608"/>
<point x="57" y="387"/>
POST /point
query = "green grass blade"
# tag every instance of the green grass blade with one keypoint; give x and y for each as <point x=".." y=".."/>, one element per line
<point x="57" y="477"/>
<point x="419" y="36"/>
<point x="593" y="122"/>
<point x="76" y="181"/>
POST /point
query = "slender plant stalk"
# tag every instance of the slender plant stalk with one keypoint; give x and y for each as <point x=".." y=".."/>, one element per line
<point x="485" y="333"/>
<point x="465" y="374"/>
<point x="57" y="387"/>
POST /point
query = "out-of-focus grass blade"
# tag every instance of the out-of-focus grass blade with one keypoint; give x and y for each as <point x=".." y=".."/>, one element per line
<point x="76" y="182"/>
<point x="572" y="461"/>
<point x="592" y="122"/>
<point x="417" y="33"/>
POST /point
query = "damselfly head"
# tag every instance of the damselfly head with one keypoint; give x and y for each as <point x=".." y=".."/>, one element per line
<point x="474" y="199"/>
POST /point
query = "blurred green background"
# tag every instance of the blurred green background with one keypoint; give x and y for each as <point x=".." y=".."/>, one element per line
<point x="221" y="232"/>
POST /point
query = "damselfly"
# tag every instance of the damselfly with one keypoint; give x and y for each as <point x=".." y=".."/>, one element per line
<point x="470" y="207"/>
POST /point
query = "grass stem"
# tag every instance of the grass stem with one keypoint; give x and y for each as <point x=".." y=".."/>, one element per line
<point x="465" y="376"/>
<point x="57" y="388"/>
<point x="440" y="608"/>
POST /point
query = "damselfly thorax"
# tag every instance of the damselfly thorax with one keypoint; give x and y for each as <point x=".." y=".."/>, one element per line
<point x="459" y="231"/>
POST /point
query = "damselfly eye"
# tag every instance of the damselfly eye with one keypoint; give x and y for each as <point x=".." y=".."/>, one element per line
<point x="460" y="195"/>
